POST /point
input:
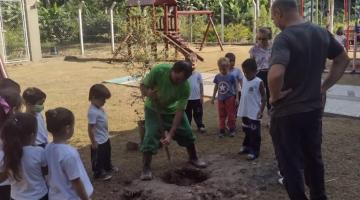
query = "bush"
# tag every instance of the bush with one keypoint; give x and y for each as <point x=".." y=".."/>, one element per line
<point x="57" y="25"/>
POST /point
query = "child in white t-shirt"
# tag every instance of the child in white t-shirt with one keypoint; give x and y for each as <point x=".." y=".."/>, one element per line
<point x="34" y="102"/>
<point x="23" y="163"/>
<point x="99" y="134"/>
<point x="196" y="99"/>
<point x="251" y="108"/>
<point x="67" y="176"/>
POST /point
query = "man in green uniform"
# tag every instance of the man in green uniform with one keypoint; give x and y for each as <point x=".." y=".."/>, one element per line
<point x="167" y="91"/>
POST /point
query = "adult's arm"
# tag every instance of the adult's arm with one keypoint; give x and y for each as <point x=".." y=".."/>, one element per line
<point x="276" y="82"/>
<point x="336" y="71"/>
<point x="280" y="58"/>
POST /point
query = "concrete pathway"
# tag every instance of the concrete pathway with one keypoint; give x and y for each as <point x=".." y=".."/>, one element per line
<point x="341" y="99"/>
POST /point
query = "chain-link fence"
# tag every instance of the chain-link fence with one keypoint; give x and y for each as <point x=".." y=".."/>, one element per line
<point x="60" y="29"/>
<point x="13" y="32"/>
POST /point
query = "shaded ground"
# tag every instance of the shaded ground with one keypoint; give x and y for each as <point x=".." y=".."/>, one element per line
<point x="230" y="175"/>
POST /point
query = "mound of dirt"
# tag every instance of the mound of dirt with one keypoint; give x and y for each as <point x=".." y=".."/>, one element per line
<point x="225" y="178"/>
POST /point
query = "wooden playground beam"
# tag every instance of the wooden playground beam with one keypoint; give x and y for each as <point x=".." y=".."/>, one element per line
<point x="195" y="12"/>
<point x="183" y="50"/>
<point x="211" y="23"/>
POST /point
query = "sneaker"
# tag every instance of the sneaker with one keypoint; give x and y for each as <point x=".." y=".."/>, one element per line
<point x="281" y="181"/>
<point x="251" y="156"/>
<point x="243" y="150"/>
<point x="103" y="177"/>
<point x="146" y="175"/>
<point x="221" y="135"/>
<point x="113" y="170"/>
<point x="202" y="130"/>
<point x="232" y="133"/>
<point x="198" y="163"/>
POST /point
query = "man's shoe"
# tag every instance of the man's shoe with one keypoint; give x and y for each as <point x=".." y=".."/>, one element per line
<point x="146" y="174"/>
<point x="198" y="163"/>
<point x="251" y="156"/>
<point x="202" y="130"/>
<point x="193" y="158"/>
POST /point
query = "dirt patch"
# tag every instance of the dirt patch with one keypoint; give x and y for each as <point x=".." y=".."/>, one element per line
<point x="185" y="176"/>
<point x="227" y="177"/>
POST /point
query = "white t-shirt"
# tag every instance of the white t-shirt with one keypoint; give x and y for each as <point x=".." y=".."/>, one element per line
<point x="97" y="117"/>
<point x="2" y="164"/>
<point x="64" y="165"/>
<point x="236" y="72"/>
<point x="250" y="101"/>
<point x="42" y="133"/>
<point x="195" y="80"/>
<point x="32" y="184"/>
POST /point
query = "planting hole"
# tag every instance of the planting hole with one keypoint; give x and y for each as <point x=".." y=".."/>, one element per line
<point x="185" y="176"/>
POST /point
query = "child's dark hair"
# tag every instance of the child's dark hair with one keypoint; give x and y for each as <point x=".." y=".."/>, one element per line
<point x="266" y="31"/>
<point x="340" y="31"/>
<point x="33" y="95"/>
<point x="183" y="66"/>
<point x="18" y="131"/>
<point x="249" y="65"/>
<point x="58" y="118"/>
<point x="230" y="56"/>
<point x="7" y="83"/>
<point x="9" y="100"/>
<point x="99" y="91"/>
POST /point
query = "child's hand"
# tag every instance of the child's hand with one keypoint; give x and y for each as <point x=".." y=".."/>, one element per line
<point x="259" y="115"/>
<point x="212" y="100"/>
<point x="237" y="101"/>
<point x="94" y="145"/>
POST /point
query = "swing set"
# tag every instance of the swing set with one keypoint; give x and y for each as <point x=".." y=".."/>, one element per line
<point x="167" y="26"/>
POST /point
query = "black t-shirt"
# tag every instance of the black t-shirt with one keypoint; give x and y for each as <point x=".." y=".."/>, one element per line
<point x="303" y="50"/>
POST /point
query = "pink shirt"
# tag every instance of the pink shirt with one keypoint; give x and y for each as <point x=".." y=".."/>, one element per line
<point x="262" y="56"/>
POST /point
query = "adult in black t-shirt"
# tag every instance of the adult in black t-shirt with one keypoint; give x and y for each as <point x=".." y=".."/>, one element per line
<point x="296" y="93"/>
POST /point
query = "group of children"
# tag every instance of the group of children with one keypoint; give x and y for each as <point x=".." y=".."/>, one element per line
<point x="243" y="94"/>
<point x="32" y="168"/>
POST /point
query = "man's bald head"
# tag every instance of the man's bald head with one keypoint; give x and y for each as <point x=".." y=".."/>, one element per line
<point x="284" y="12"/>
<point x="285" y="5"/>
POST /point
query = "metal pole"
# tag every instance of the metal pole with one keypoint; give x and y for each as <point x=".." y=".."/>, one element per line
<point x="222" y="22"/>
<point x="191" y="26"/>
<point x="112" y="26"/>
<point x="317" y="12"/>
<point x="80" y="27"/>
<point x="254" y="24"/>
<point x="331" y="16"/>
<point x="311" y="10"/>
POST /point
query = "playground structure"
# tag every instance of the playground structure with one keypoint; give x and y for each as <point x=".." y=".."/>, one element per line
<point x="167" y="26"/>
<point x="352" y="32"/>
